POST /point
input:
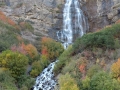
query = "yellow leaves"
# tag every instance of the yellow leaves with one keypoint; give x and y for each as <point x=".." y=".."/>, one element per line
<point x="50" y="48"/>
<point x="7" y="55"/>
<point x="66" y="82"/>
<point x="4" y="62"/>
<point x="116" y="69"/>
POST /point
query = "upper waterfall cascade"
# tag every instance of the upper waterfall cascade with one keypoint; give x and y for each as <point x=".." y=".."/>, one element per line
<point x="74" y="23"/>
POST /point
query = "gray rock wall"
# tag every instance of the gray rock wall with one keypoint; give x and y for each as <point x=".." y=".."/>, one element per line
<point x="43" y="14"/>
<point x="46" y="15"/>
<point x="101" y="12"/>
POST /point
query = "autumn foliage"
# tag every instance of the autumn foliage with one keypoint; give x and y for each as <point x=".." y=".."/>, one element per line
<point x="5" y="19"/>
<point x="28" y="49"/>
<point x="14" y="62"/>
<point x="66" y="82"/>
<point x="50" y="48"/>
<point x="116" y="69"/>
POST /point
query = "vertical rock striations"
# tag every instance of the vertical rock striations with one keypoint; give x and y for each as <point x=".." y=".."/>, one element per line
<point x="101" y="12"/>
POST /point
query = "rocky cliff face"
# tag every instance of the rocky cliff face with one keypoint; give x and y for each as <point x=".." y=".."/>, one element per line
<point x="46" y="15"/>
<point x="101" y="12"/>
<point x="42" y="14"/>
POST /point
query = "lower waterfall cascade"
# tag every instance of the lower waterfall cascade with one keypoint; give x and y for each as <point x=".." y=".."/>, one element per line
<point x="46" y="80"/>
<point x="74" y="26"/>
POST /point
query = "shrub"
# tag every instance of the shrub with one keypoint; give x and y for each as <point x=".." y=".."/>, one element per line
<point x="36" y="68"/>
<point x="102" y="81"/>
<point x="63" y="59"/>
<point x="31" y="50"/>
<point x="51" y="48"/>
<point x="85" y="83"/>
<point x="66" y="82"/>
<point x="93" y="70"/>
<point x="28" y="83"/>
<point x="7" y="82"/>
<point x="44" y="61"/>
<point x="6" y="19"/>
<point x="102" y="39"/>
<point x="15" y="62"/>
<point x="28" y="50"/>
<point x="116" y="69"/>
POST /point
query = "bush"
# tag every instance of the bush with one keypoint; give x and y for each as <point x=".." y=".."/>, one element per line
<point x="116" y="69"/>
<point x="28" y="50"/>
<point x="102" y="81"/>
<point x="8" y="36"/>
<point x="66" y="82"/>
<point x="7" y="82"/>
<point x="15" y="62"/>
<point x="85" y="83"/>
<point x="51" y="48"/>
<point x="28" y="83"/>
<point x="93" y="70"/>
<point x="102" y="39"/>
<point x="63" y="59"/>
<point x="36" y="68"/>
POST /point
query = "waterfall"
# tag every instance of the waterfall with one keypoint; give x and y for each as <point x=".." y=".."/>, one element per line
<point x="74" y="23"/>
<point x="46" y="80"/>
<point x="74" y="26"/>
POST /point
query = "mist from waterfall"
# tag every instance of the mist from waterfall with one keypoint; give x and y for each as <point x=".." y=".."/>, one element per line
<point x="74" y="23"/>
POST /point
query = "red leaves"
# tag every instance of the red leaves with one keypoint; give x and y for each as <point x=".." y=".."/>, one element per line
<point x="25" y="49"/>
<point x="6" y="19"/>
<point x="19" y="48"/>
<point x="82" y="68"/>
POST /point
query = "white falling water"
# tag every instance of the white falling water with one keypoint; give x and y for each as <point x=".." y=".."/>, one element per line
<point x="74" y="23"/>
<point x="46" y="80"/>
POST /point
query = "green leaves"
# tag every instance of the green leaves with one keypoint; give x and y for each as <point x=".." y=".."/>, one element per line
<point x="15" y="62"/>
<point x="102" y="39"/>
<point x="103" y="81"/>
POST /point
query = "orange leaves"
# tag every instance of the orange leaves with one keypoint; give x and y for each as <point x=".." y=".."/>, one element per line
<point x="116" y="69"/>
<point x="19" y="48"/>
<point x="44" y="51"/>
<point x="31" y="50"/>
<point x="50" y="48"/>
<point x="25" y="49"/>
<point x="7" y="20"/>
<point x="82" y="68"/>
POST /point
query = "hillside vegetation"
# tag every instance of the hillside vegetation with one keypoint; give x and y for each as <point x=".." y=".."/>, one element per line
<point x="92" y="62"/>
<point x="20" y="61"/>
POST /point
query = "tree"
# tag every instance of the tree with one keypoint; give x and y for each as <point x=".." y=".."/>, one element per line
<point x="15" y="62"/>
<point x="51" y="48"/>
<point x="103" y="81"/>
<point x="36" y="68"/>
<point x="7" y="82"/>
<point x="116" y="69"/>
<point x="31" y="50"/>
<point x="66" y="82"/>
<point x="28" y="50"/>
